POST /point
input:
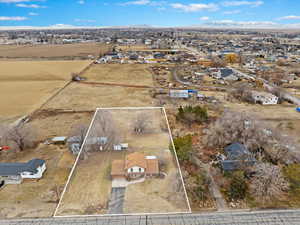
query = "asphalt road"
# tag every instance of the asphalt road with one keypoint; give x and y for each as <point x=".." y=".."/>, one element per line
<point x="290" y="217"/>
<point x="116" y="202"/>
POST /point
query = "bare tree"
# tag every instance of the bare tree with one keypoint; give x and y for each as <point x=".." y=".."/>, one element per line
<point x="3" y="132"/>
<point x="22" y="136"/>
<point x="262" y="140"/>
<point x="141" y="123"/>
<point x="104" y="134"/>
<point x="218" y="62"/>
<point x="235" y="127"/>
<point x="268" y="182"/>
<point x="80" y="131"/>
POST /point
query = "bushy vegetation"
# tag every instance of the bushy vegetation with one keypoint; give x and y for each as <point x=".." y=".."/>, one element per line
<point x="238" y="187"/>
<point x="292" y="174"/>
<point x="190" y="114"/>
<point x="183" y="146"/>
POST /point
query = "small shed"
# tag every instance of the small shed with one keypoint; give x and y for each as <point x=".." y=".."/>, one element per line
<point x="59" y="140"/>
<point x="179" y="93"/>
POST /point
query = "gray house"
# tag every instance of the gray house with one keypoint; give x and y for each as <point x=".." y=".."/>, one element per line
<point x="237" y="156"/>
<point x="14" y="173"/>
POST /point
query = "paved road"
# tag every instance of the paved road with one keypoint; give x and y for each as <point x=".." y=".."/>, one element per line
<point x="291" y="217"/>
<point x="116" y="202"/>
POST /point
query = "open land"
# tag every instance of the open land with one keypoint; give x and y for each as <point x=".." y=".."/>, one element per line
<point x="30" y="83"/>
<point x="137" y="74"/>
<point x="66" y="51"/>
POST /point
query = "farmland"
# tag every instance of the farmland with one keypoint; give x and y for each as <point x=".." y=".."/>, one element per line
<point x="67" y="51"/>
<point x="123" y="74"/>
<point x="30" y="83"/>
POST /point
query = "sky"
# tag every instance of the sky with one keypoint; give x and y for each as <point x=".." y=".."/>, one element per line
<point x="160" y="13"/>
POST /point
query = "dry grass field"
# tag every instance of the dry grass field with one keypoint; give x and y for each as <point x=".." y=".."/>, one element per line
<point x="89" y="189"/>
<point x="131" y="74"/>
<point x="40" y="70"/>
<point x="79" y="96"/>
<point x="133" y="47"/>
<point x="66" y="51"/>
<point x="25" y="85"/>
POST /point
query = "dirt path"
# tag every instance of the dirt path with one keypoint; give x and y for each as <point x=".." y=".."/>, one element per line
<point x="213" y="187"/>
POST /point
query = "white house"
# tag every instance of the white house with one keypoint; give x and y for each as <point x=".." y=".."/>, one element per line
<point x="14" y="173"/>
<point x="264" y="98"/>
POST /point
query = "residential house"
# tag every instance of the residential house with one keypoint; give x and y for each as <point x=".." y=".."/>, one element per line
<point x="237" y="156"/>
<point x="264" y="98"/>
<point x="14" y="173"/>
<point x="136" y="165"/>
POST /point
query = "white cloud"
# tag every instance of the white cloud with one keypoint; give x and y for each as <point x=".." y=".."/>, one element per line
<point x="34" y="6"/>
<point x="243" y="3"/>
<point x="13" y="18"/>
<point x="81" y="2"/>
<point x="232" y="12"/>
<point x="195" y="7"/>
<point x="204" y="18"/>
<point x="84" y="21"/>
<point x="291" y="17"/>
<point x="137" y="2"/>
<point x="33" y="14"/>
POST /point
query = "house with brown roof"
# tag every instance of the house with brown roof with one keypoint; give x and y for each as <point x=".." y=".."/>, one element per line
<point x="136" y="165"/>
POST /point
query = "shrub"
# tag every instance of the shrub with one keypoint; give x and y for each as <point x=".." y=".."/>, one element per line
<point x="190" y="114"/>
<point x="292" y="174"/>
<point x="238" y="187"/>
<point x="183" y="147"/>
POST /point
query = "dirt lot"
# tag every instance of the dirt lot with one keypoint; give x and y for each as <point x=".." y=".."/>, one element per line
<point x="67" y="51"/>
<point x="27" y="84"/>
<point x="132" y="74"/>
<point x="89" y="189"/>
<point x="88" y="97"/>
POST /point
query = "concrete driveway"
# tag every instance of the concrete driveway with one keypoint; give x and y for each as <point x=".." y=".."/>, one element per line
<point x="115" y="205"/>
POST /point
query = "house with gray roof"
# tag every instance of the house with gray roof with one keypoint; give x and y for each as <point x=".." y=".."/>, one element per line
<point x="14" y="173"/>
<point x="237" y="156"/>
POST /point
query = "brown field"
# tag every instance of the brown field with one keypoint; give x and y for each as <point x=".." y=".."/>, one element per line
<point x="21" y="98"/>
<point x="27" y="84"/>
<point x="133" y="47"/>
<point x="90" y="187"/>
<point x="89" y="97"/>
<point x="132" y="74"/>
<point x="40" y="70"/>
<point x="81" y="50"/>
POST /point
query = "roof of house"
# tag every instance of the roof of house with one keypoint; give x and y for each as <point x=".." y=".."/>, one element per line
<point x="152" y="166"/>
<point x="135" y="159"/>
<point x="11" y="169"/>
<point x="230" y="165"/>
<point x="226" y="72"/>
<point x="149" y="163"/>
<point x="117" y="167"/>
<point x="235" y="150"/>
